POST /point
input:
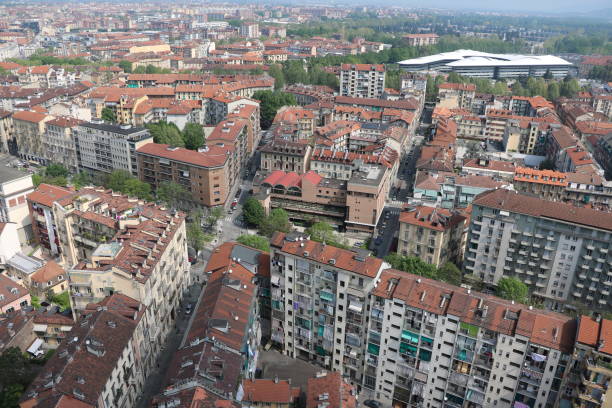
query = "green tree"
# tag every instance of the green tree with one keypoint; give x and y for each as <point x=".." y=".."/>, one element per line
<point x="254" y="241"/>
<point x="270" y="102"/>
<point x="548" y="74"/>
<point x="278" y="220"/>
<point x="166" y="133"/>
<point x="62" y="300"/>
<point x="412" y="264"/>
<point x="81" y="179"/>
<point x="193" y="136"/>
<point x="518" y="90"/>
<point x="56" y="170"/>
<point x="108" y="115"/>
<point x="554" y="91"/>
<point x="253" y="212"/>
<point x="512" y="289"/>
<point x="126" y="66"/>
<point x="17" y="373"/>
<point x="449" y="273"/>
<point x="123" y="181"/>
<point x="214" y="216"/>
<point x="392" y="79"/>
<point x="321" y="231"/>
<point x="276" y="72"/>
<point x="173" y="195"/>
<point x="195" y="236"/>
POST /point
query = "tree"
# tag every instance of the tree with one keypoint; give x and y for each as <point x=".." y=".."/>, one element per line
<point x="56" y="170"/>
<point x="126" y="66"/>
<point x="392" y="79"/>
<point x="254" y="241"/>
<point x="214" y="215"/>
<point x="449" y="273"/>
<point x="548" y="74"/>
<point x="253" y="212"/>
<point x="193" y="136"/>
<point x="279" y="78"/>
<point x="270" y="102"/>
<point x="108" y="115"/>
<point x="278" y="220"/>
<point x="17" y="373"/>
<point x="81" y="179"/>
<point x="173" y="195"/>
<point x="321" y="232"/>
<point x="195" y="236"/>
<point x="554" y="91"/>
<point x="512" y="289"/>
<point x="123" y="181"/>
<point x="166" y="133"/>
<point x="62" y="300"/>
<point x="412" y="264"/>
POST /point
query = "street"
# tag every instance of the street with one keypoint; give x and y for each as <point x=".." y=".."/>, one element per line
<point x="388" y="224"/>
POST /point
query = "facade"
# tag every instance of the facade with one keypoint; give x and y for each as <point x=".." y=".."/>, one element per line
<point x="52" y="327"/>
<point x="435" y="235"/>
<point x="104" y="147"/>
<point x="29" y="131"/>
<point x="456" y="96"/>
<point x="421" y="40"/>
<point x="249" y="30"/>
<point x="15" y="185"/>
<point x="207" y="174"/>
<point x="13" y="296"/>
<point x="546" y="184"/>
<point x="6" y="132"/>
<point x="59" y="144"/>
<point x="438" y="345"/>
<point x="592" y="359"/>
<point x="486" y="167"/>
<point x="37" y="276"/>
<point x="285" y="155"/>
<point x="101" y="362"/>
<point x="560" y="251"/>
<point x="487" y="65"/>
<point x="362" y="80"/>
<point x="309" y="277"/>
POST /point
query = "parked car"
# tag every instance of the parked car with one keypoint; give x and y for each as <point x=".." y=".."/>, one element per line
<point x="372" y="404"/>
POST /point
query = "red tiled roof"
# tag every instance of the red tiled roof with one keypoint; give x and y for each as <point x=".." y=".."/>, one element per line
<point x="29" y="116"/>
<point x="458" y="87"/>
<point x="339" y="393"/>
<point x="46" y="194"/>
<point x="342" y="258"/>
<point x="439" y="219"/>
<point x="363" y="67"/>
<point x="268" y="391"/>
<point x="49" y="271"/>
<point x="512" y="201"/>
<point x="216" y="156"/>
<point x="592" y="333"/>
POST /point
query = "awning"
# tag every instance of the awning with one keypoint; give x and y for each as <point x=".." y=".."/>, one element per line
<point x="355" y="307"/>
<point x="40" y="327"/>
<point x="373" y="349"/>
<point x="413" y="338"/>
<point x="35" y="347"/>
<point x="408" y="349"/>
<point x="538" y="357"/>
<point x="275" y="280"/>
<point x="326" y="296"/>
<point x="66" y="328"/>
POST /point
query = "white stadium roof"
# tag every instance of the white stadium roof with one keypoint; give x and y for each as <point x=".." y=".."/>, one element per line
<point x="466" y="58"/>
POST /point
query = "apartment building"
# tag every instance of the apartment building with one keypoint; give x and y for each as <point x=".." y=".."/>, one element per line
<point x="233" y="133"/>
<point x="41" y="212"/>
<point x="114" y="243"/>
<point x="249" y="30"/>
<point x="560" y="251"/>
<point x="100" y="363"/>
<point x="285" y="155"/>
<point x="219" y="348"/>
<point x="546" y="184"/>
<point x="263" y="393"/>
<point x="340" y="165"/>
<point x="208" y="174"/>
<point x="38" y="276"/>
<point x="52" y="327"/>
<point x="12" y="295"/>
<point x="104" y="147"/>
<point x="431" y="344"/>
<point x="435" y="235"/>
<point x="592" y="364"/>
<point x="6" y="132"/>
<point x="29" y="131"/>
<point x="362" y="80"/>
<point x="59" y="144"/>
<point x="319" y="294"/>
<point x="456" y="96"/>
<point x="486" y="167"/>
<point x="603" y="104"/>
<point x="15" y="185"/>
<point x="330" y="389"/>
<point x="354" y="204"/>
<point x="421" y="40"/>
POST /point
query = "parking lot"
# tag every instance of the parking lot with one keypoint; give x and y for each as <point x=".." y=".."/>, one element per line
<point x="274" y="364"/>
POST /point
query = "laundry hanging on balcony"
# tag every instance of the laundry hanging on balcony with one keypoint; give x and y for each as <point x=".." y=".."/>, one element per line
<point x="538" y="357"/>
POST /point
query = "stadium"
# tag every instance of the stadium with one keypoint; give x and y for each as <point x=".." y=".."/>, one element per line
<point x="486" y="65"/>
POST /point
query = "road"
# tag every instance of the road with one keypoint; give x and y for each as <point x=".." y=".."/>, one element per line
<point x="388" y="225"/>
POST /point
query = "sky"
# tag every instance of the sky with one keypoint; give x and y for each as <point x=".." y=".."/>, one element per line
<point x="551" y="6"/>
